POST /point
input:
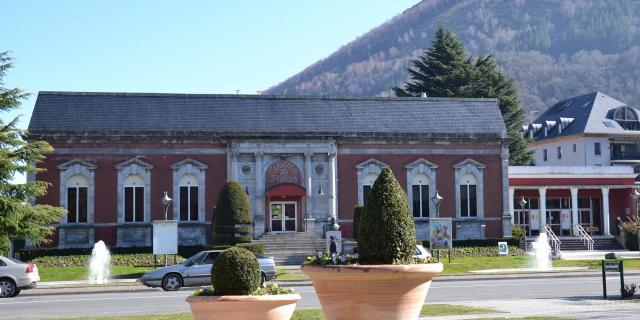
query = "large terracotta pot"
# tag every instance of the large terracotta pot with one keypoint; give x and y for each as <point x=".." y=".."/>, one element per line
<point x="386" y="292"/>
<point x="268" y="307"/>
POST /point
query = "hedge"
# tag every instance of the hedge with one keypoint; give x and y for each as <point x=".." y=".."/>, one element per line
<point x="480" y="242"/>
<point x="31" y="254"/>
<point x="139" y="260"/>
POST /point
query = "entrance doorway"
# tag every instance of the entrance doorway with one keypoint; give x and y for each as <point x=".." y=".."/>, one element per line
<point x="284" y="216"/>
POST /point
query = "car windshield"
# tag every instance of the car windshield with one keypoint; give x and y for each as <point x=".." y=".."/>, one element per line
<point x="193" y="258"/>
<point x="259" y="256"/>
<point x="16" y="261"/>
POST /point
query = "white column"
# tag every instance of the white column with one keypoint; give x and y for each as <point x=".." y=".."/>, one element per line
<point x="332" y="185"/>
<point x="543" y="208"/>
<point x="307" y="181"/>
<point x="574" y="210"/>
<point x="512" y="192"/>
<point x="234" y="166"/>
<point x="259" y="216"/>
<point x="605" y="211"/>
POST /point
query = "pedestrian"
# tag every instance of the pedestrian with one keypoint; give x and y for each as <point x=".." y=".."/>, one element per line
<point x="333" y="248"/>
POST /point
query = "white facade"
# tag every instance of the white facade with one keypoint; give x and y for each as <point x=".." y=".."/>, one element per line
<point x="576" y="151"/>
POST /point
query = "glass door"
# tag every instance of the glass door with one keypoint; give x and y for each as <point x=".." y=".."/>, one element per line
<point x="283" y="216"/>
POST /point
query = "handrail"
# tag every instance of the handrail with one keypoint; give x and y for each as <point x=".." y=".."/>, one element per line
<point x="554" y="239"/>
<point x="586" y="238"/>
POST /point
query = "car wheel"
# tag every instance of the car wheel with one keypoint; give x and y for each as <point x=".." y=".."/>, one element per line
<point x="16" y="292"/>
<point x="7" y="288"/>
<point x="172" y="282"/>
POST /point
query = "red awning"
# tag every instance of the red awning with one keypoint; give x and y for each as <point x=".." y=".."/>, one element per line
<point x="287" y="190"/>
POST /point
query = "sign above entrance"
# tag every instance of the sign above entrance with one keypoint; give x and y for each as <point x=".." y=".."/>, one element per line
<point x="282" y="172"/>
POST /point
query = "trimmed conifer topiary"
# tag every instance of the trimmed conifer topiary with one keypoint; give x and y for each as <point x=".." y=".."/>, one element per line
<point x="236" y="272"/>
<point x="232" y="220"/>
<point x="386" y="233"/>
<point x="357" y="214"/>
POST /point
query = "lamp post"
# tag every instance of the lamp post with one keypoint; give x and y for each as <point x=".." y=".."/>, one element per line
<point x="437" y="200"/>
<point x="166" y="201"/>
<point x="522" y="203"/>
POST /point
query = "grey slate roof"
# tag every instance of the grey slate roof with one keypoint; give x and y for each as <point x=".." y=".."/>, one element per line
<point x="589" y="113"/>
<point x="128" y="114"/>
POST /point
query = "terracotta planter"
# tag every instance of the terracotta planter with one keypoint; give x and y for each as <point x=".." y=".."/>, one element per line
<point x="372" y="291"/>
<point x="269" y="307"/>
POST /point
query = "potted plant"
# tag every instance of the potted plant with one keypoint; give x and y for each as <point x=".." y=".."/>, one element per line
<point x="387" y="282"/>
<point x="236" y="292"/>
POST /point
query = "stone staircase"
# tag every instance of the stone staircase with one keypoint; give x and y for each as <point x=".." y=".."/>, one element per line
<point x="576" y="243"/>
<point x="291" y="248"/>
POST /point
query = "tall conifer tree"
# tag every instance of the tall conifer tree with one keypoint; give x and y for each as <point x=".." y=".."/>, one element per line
<point x="18" y="218"/>
<point x="446" y="71"/>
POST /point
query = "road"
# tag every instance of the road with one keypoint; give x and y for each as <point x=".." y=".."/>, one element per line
<point x="31" y="306"/>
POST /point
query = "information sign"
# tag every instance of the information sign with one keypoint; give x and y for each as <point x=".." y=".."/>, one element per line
<point x="503" y="249"/>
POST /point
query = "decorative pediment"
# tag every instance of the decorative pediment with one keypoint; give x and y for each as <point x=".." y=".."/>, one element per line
<point x="370" y="162"/>
<point x="421" y="161"/>
<point x="467" y="162"/>
<point x="78" y="161"/>
<point x="134" y="161"/>
<point x="190" y="161"/>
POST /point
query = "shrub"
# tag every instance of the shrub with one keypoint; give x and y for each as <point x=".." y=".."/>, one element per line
<point x="386" y="231"/>
<point x="611" y="256"/>
<point x="630" y="228"/>
<point x="236" y="272"/>
<point x="629" y="290"/>
<point x="33" y="253"/>
<point x="357" y="213"/>
<point x="518" y="234"/>
<point x="253" y="247"/>
<point x="142" y="259"/>
<point x="232" y="220"/>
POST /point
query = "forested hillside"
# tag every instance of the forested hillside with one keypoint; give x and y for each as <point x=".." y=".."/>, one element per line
<point x="552" y="48"/>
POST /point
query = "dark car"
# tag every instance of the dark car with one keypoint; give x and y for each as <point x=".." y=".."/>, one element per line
<point x="196" y="271"/>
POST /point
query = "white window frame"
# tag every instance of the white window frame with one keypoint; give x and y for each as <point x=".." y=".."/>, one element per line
<point x="134" y="166"/>
<point x="189" y="167"/>
<point x="366" y="168"/>
<point x="422" y="167"/>
<point x="67" y="171"/>
<point x="476" y="169"/>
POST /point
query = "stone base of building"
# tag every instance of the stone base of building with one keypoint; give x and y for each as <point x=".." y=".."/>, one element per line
<point x="76" y="236"/>
<point x="470" y="229"/>
<point x="192" y="234"/>
<point x="134" y="235"/>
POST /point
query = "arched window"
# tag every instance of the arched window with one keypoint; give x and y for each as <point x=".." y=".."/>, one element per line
<point x="134" y="198"/>
<point x="468" y="196"/>
<point x="77" y="199"/>
<point x="626" y="118"/>
<point x="420" y="196"/>
<point x="188" y="198"/>
<point x="367" y="184"/>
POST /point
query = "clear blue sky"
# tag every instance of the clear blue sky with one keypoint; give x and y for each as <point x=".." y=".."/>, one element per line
<point x="175" y="46"/>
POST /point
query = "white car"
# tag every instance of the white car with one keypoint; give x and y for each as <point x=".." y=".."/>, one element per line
<point x="16" y="276"/>
<point x="422" y="252"/>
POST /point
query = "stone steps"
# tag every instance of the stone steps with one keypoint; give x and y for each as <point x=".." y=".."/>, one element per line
<point x="291" y="248"/>
<point x="576" y="243"/>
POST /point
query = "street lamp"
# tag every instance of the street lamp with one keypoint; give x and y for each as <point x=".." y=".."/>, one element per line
<point x="437" y="200"/>
<point x="166" y="201"/>
<point x="522" y="203"/>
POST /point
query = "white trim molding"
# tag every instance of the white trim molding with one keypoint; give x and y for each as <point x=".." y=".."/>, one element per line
<point x="370" y="167"/>
<point x="476" y="169"/>
<point x="427" y="168"/>
<point x="134" y="166"/>
<point x="82" y="168"/>
<point x="189" y="167"/>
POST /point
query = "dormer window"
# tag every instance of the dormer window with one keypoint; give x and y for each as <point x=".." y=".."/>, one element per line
<point x="627" y="118"/>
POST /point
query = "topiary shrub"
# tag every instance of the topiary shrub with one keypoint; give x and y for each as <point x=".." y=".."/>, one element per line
<point x="232" y="220"/>
<point x="235" y="272"/>
<point x="357" y="213"/>
<point x="518" y="233"/>
<point x="386" y="233"/>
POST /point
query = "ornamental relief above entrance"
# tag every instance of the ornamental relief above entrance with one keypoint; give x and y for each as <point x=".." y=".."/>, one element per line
<point x="282" y="172"/>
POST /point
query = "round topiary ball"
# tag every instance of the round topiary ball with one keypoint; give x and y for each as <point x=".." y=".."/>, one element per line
<point x="236" y="271"/>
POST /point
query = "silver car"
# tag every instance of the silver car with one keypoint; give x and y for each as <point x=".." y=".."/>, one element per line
<point x="196" y="271"/>
<point x="15" y="276"/>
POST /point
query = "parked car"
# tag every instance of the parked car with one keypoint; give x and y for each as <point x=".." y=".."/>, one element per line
<point x="422" y="252"/>
<point x="16" y="276"/>
<point x="196" y="271"/>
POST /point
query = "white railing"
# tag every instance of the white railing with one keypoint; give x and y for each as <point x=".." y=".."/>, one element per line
<point x="555" y="242"/>
<point x="586" y="238"/>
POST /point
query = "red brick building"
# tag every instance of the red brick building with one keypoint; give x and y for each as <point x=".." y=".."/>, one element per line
<point x="302" y="160"/>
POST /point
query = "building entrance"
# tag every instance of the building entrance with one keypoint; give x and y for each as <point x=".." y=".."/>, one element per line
<point x="284" y="216"/>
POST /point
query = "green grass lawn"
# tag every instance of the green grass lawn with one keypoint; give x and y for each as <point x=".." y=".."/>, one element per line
<point x="82" y="273"/>
<point x="432" y="310"/>
<point x="283" y="274"/>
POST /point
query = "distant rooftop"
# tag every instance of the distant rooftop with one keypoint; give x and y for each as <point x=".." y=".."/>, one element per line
<point x="105" y="114"/>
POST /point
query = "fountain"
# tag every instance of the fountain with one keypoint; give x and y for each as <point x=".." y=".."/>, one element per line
<point x="99" y="264"/>
<point x="542" y="252"/>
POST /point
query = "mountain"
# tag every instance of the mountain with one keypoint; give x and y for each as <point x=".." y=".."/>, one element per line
<point x="552" y="48"/>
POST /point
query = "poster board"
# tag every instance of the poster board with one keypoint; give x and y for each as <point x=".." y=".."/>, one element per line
<point x="337" y="235"/>
<point x="534" y="219"/>
<point x="503" y="249"/>
<point x="165" y="237"/>
<point x="440" y="235"/>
